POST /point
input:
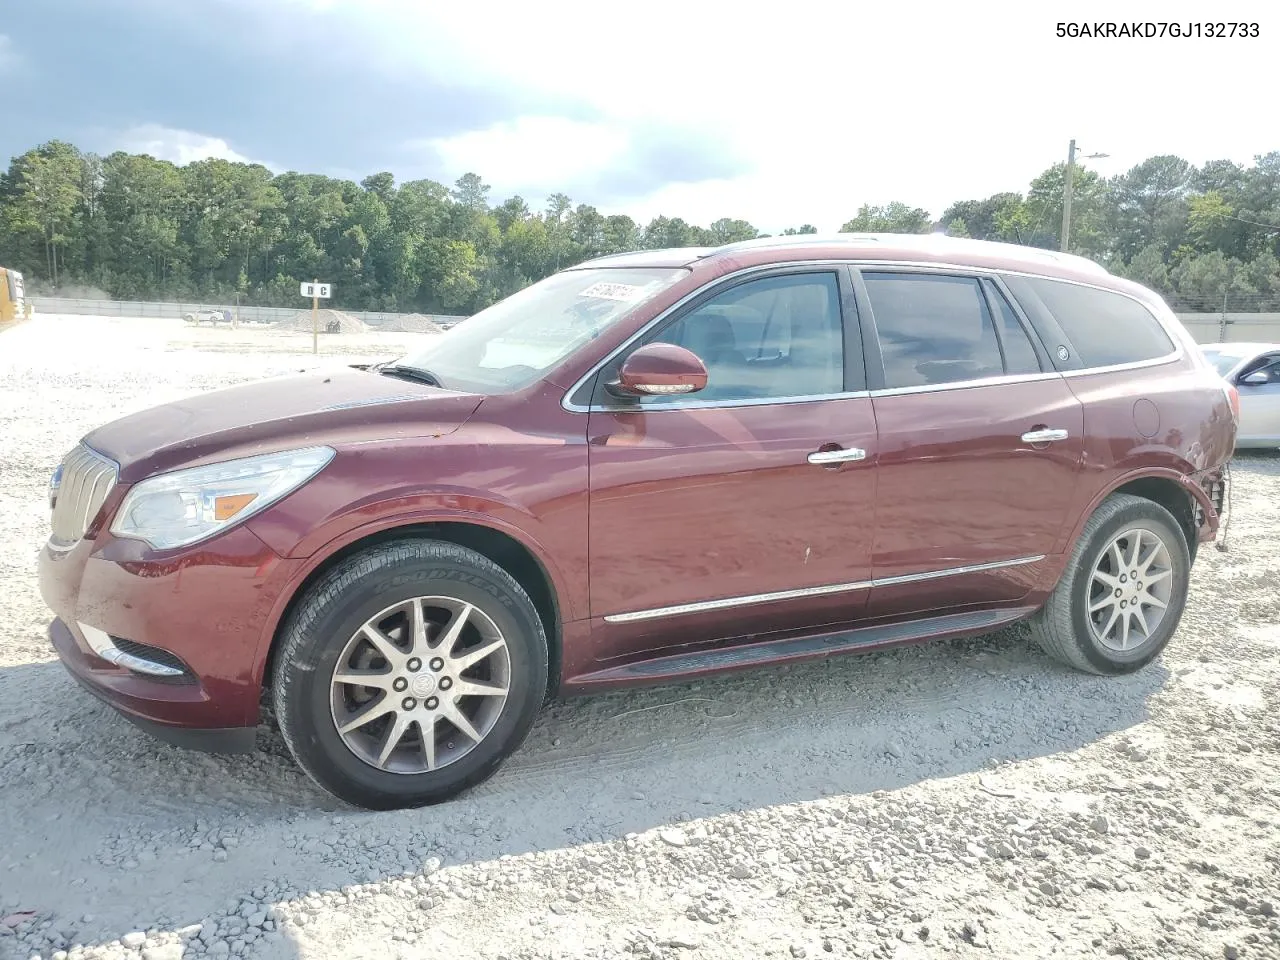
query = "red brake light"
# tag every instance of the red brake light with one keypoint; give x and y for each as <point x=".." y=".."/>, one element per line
<point x="1233" y="397"/>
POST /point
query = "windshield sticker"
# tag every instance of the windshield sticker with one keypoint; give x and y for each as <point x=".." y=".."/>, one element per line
<point x="613" y="291"/>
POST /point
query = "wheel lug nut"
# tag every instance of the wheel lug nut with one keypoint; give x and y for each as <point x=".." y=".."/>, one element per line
<point x="408" y="703"/>
<point x="1123" y="604"/>
<point x="1123" y="578"/>
<point x="432" y="703"/>
<point x="437" y="664"/>
<point x="1119" y="592"/>
<point x="445" y="683"/>
<point x="414" y="664"/>
<point x="400" y="684"/>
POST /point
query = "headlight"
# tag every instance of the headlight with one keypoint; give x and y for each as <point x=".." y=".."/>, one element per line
<point x="180" y="508"/>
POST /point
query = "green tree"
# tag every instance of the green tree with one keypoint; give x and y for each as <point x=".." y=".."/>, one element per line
<point x="45" y="191"/>
<point x="895" y="218"/>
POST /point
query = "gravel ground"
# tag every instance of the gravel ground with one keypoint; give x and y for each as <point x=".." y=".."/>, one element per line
<point x="967" y="798"/>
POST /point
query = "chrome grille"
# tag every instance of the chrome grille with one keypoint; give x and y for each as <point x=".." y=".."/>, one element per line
<point x="87" y="478"/>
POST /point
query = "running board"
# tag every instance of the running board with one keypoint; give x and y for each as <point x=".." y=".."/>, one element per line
<point x="808" y="647"/>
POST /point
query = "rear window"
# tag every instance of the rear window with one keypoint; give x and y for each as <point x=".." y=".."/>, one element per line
<point x="1106" y="328"/>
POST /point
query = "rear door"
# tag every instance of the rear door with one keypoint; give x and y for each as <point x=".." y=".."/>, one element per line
<point x="980" y="440"/>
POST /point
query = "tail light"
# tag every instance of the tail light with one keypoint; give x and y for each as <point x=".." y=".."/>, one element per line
<point x="1233" y="398"/>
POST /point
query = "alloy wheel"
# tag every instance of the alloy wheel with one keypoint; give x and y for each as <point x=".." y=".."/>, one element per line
<point x="1130" y="589"/>
<point x="420" y="684"/>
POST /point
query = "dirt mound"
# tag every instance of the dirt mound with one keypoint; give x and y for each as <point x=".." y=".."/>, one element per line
<point x="331" y="321"/>
<point x="413" y="323"/>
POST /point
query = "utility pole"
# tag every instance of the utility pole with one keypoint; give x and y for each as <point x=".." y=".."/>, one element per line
<point x="1066" y="197"/>
<point x="315" y="315"/>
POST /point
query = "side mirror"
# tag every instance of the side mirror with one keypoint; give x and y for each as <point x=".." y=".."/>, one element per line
<point x="660" y="370"/>
<point x="1255" y="379"/>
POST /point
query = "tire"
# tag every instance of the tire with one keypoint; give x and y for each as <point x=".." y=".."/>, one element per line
<point x="1063" y="627"/>
<point x="329" y="626"/>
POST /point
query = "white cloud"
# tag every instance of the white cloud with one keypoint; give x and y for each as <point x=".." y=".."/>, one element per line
<point x="177" y="146"/>
<point x="828" y="105"/>
<point x="534" y="150"/>
<point x="8" y="53"/>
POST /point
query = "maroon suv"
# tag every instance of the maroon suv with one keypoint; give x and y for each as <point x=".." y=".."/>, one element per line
<point x="645" y="468"/>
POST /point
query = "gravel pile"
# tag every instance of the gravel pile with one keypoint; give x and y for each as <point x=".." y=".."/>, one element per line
<point x="413" y="323"/>
<point x="959" y="799"/>
<point x="330" y="321"/>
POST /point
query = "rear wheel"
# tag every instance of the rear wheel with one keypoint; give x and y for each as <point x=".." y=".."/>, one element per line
<point x="409" y="673"/>
<point x="1124" y="590"/>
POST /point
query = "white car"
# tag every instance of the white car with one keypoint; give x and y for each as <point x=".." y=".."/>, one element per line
<point x="1254" y="368"/>
<point x="214" y="317"/>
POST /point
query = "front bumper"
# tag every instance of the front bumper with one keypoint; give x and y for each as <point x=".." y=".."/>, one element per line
<point x="174" y="641"/>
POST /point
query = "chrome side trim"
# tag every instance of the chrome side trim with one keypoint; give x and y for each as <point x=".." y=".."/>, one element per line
<point x="696" y="404"/>
<point x="728" y="602"/>
<point x="966" y="384"/>
<point x="1120" y="367"/>
<point x="955" y="571"/>
<point x="706" y="605"/>
<point x="100" y="642"/>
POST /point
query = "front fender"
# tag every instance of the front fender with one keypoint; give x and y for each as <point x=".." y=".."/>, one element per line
<point x="350" y="534"/>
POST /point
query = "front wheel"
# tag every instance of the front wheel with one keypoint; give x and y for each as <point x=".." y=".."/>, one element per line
<point x="1123" y="592"/>
<point x="408" y="674"/>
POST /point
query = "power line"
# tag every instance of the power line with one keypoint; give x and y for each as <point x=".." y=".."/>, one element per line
<point x="1269" y="226"/>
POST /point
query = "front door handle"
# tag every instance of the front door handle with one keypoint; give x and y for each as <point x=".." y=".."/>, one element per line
<point x="1046" y="435"/>
<point x="823" y="457"/>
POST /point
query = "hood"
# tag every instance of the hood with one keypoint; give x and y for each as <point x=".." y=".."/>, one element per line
<point x="338" y="406"/>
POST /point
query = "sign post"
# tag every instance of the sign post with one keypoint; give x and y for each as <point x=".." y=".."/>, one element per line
<point x="317" y="291"/>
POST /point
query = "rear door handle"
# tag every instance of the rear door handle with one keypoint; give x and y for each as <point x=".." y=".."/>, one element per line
<point x="1044" y="436"/>
<point x="822" y="457"/>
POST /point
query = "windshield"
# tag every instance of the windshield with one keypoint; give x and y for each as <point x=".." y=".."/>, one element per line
<point x="1222" y="362"/>
<point x="511" y="344"/>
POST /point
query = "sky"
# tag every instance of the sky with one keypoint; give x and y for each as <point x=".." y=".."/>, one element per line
<point x="778" y="114"/>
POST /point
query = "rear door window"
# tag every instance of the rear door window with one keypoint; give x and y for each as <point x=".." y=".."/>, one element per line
<point x="1019" y="354"/>
<point x="1106" y="328"/>
<point x="933" y="329"/>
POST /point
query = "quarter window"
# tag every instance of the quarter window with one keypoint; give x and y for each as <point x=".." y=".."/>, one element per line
<point x="775" y="337"/>
<point x="1106" y="328"/>
<point x="933" y="329"/>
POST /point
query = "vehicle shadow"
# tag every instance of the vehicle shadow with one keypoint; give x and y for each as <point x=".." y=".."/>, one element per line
<point x="102" y="822"/>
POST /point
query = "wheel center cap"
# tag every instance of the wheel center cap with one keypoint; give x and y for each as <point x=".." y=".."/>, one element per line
<point x="423" y="685"/>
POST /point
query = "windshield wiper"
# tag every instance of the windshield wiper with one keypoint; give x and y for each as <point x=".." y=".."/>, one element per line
<point x="411" y="373"/>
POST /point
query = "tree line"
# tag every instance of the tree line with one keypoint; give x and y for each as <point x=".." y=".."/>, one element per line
<point x="135" y="227"/>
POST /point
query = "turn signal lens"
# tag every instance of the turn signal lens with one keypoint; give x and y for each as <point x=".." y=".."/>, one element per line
<point x="224" y="508"/>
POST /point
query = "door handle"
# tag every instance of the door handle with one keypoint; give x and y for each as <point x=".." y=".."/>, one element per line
<point x="1044" y="436"/>
<point x="823" y="457"/>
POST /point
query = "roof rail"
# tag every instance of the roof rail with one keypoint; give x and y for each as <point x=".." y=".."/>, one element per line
<point x="921" y="241"/>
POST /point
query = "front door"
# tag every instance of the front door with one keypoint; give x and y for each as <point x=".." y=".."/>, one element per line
<point x="1260" y="403"/>
<point x="980" y="443"/>
<point x="708" y="519"/>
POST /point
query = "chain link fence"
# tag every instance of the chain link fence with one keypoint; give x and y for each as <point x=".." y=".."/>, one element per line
<point x="1233" y="327"/>
<point x="247" y="313"/>
<point x="1223" y="327"/>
